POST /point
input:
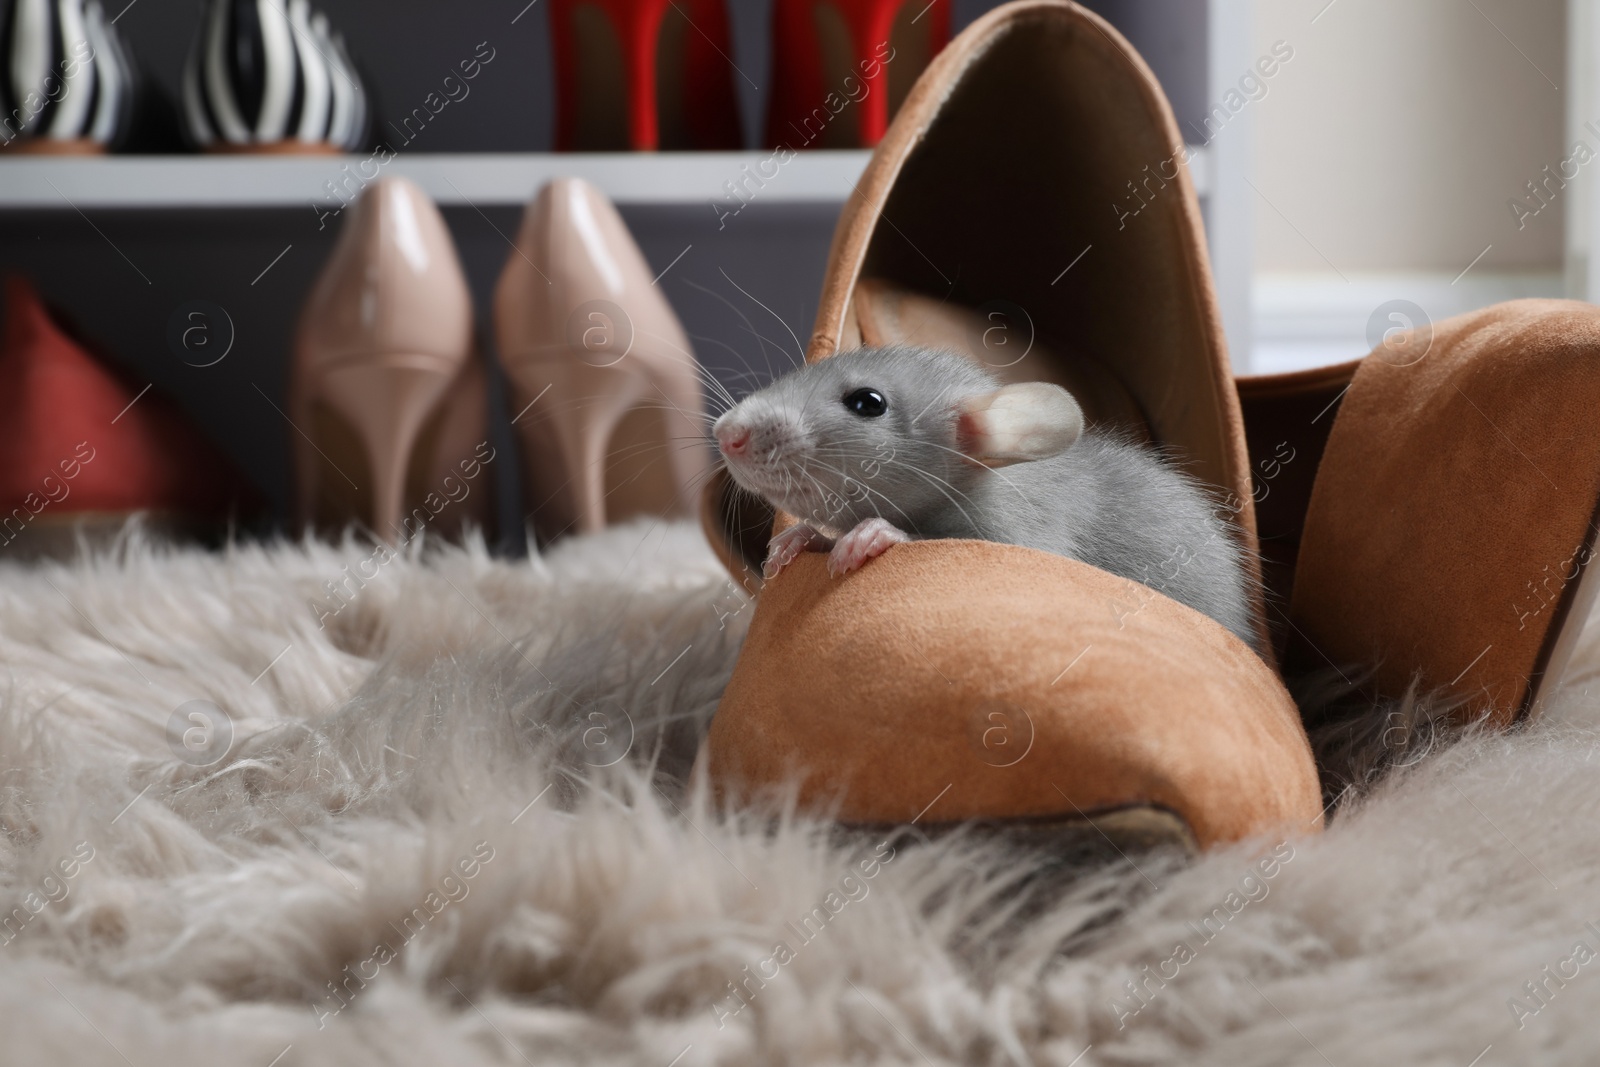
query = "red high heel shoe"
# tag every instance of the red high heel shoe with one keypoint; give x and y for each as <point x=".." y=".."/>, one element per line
<point x="830" y="54"/>
<point x="643" y="75"/>
<point x="81" y="448"/>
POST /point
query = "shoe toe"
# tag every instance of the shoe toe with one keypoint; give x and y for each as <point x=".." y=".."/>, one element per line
<point x="952" y="681"/>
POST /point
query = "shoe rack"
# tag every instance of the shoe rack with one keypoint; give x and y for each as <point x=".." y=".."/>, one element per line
<point x="122" y="242"/>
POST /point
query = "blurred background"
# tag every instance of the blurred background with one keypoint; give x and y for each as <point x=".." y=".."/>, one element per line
<point x="1395" y="152"/>
<point x="1419" y="155"/>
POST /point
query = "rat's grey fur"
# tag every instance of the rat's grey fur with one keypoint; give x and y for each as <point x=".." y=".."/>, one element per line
<point x="1107" y="501"/>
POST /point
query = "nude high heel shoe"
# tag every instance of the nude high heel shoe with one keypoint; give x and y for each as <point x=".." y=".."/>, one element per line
<point x="604" y="384"/>
<point x="387" y="394"/>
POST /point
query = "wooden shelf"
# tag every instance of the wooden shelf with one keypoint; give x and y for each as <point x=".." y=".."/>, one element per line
<point x="200" y="181"/>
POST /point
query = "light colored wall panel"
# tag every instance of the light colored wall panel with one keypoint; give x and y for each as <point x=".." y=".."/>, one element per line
<point x="1400" y="130"/>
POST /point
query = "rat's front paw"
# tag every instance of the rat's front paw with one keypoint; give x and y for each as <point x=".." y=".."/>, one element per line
<point x="870" y="538"/>
<point x="783" y="548"/>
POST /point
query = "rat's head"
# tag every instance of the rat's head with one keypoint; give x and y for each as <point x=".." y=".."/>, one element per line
<point x="900" y="433"/>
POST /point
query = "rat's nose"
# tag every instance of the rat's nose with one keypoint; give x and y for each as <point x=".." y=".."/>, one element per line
<point x="733" y="440"/>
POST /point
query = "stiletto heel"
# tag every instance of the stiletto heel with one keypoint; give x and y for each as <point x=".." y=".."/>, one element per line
<point x="387" y="394"/>
<point x="565" y="441"/>
<point x="386" y="401"/>
<point x="828" y="54"/>
<point x="682" y="426"/>
<point x="642" y="75"/>
<point x="601" y="372"/>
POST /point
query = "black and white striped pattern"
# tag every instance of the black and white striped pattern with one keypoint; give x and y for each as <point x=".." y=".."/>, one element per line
<point x="64" y="73"/>
<point x="261" y="72"/>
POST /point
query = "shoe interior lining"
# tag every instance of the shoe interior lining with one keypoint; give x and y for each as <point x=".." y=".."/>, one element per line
<point x="1287" y="419"/>
<point x="1023" y="191"/>
<point x="1000" y="340"/>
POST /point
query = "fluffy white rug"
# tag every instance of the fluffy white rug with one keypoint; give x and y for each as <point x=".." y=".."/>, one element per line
<point x="450" y="828"/>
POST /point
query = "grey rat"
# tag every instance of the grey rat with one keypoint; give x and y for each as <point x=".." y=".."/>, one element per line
<point x="881" y="445"/>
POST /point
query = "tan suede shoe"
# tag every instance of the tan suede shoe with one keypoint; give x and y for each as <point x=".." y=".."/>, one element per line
<point x="1037" y="215"/>
<point x="1450" y="529"/>
<point x="957" y="680"/>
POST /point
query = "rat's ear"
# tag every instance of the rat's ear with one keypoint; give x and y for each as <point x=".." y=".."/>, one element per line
<point x="1016" y="423"/>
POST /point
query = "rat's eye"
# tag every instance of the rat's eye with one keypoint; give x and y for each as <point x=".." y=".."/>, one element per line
<point x="866" y="402"/>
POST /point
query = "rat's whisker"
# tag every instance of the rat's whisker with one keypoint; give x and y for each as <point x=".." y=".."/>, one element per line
<point x="742" y="375"/>
<point x="869" y="490"/>
<point x="992" y="470"/>
<point x="938" y="483"/>
<point x="714" y="385"/>
<point x="940" y="396"/>
<point x="742" y="316"/>
<point x="800" y="352"/>
<point x="639" y="449"/>
<point x="651" y="404"/>
<point x="751" y="330"/>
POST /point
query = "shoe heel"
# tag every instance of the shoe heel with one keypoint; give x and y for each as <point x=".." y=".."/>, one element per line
<point x="638" y="30"/>
<point x="451" y="458"/>
<point x="603" y="45"/>
<point x="565" y="438"/>
<point x="643" y="75"/>
<point x="683" y="430"/>
<point x="386" y="401"/>
<point x="821" y="44"/>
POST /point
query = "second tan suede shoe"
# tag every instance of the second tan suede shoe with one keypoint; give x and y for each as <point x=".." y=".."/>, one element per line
<point x="1450" y="531"/>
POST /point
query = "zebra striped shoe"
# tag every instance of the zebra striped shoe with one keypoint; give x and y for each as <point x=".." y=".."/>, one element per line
<point x="263" y="77"/>
<point x="67" y="81"/>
